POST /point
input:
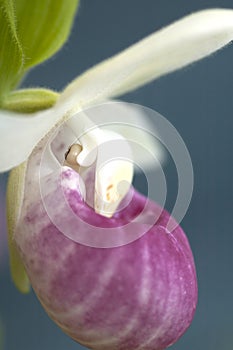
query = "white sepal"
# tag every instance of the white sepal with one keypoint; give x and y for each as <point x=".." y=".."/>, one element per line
<point x="177" y="45"/>
<point x="20" y="133"/>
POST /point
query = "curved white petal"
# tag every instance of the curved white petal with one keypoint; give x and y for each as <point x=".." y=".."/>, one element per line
<point x="181" y="43"/>
<point x="132" y="122"/>
<point x="126" y="119"/>
<point x="20" y="133"/>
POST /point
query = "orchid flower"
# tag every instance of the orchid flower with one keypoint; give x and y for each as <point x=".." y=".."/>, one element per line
<point x="137" y="296"/>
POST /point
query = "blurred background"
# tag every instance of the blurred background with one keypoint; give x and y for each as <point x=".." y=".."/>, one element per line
<point x="198" y="101"/>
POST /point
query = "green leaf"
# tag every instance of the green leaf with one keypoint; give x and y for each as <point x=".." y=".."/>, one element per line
<point x="30" y="33"/>
<point x="11" y="56"/>
<point x="15" y="190"/>
<point x="30" y="100"/>
<point x="43" y="26"/>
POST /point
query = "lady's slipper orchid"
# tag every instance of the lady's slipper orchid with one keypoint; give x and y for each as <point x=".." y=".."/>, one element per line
<point x="139" y="296"/>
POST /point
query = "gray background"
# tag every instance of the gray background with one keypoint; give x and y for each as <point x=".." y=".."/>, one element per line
<point x="198" y="102"/>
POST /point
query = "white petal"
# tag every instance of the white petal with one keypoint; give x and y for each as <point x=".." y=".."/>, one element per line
<point x="132" y="122"/>
<point x="20" y="133"/>
<point x="126" y="119"/>
<point x="181" y="43"/>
